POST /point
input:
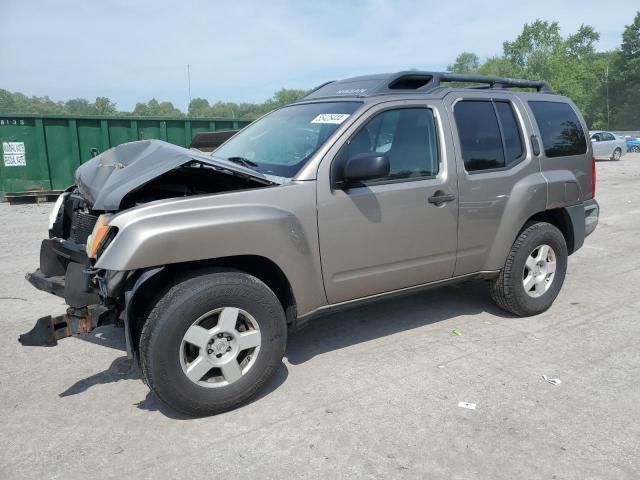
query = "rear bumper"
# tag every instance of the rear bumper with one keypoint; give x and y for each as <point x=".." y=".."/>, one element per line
<point x="584" y="220"/>
<point x="591" y="216"/>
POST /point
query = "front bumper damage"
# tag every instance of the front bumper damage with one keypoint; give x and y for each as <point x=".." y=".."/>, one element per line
<point x="76" y="322"/>
<point x="65" y="271"/>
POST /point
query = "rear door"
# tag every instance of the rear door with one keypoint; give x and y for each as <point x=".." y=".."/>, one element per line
<point x="494" y="165"/>
<point x="385" y="235"/>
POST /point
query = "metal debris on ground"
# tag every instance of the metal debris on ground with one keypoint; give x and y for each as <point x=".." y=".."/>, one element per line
<point x="552" y="381"/>
<point x="470" y="406"/>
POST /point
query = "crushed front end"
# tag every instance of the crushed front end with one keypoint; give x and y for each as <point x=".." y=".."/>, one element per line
<point x="124" y="177"/>
<point x="76" y="236"/>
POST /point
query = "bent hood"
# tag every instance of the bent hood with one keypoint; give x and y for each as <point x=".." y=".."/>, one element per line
<point x="107" y="178"/>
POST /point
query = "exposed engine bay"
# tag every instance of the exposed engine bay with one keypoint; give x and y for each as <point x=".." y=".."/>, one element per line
<point x="187" y="180"/>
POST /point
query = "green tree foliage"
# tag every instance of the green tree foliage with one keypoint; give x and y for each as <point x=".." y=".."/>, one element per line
<point x="624" y="79"/>
<point x="605" y="85"/>
<point x="466" y="62"/>
<point x="199" y="107"/>
<point x="153" y="108"/>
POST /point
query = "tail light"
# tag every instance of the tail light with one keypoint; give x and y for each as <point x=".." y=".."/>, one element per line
<point x="593" y="177"/>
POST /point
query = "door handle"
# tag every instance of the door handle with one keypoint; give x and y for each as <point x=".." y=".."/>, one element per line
<point x="440" y="198"/>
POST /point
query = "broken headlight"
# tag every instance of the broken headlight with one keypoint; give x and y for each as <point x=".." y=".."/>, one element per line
<point x="101" y="235"/>
<point x="53" y="216"/>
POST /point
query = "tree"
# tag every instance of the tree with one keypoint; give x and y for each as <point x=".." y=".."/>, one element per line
<point x="79" y="106"/>
<point x="104" y="106"/>
<point x="570" y="64"/>
<point x="156" y="109"/>
<point x="466" y="62"/>
<point x="199" y="107"/>
<point x="625" y="79"/>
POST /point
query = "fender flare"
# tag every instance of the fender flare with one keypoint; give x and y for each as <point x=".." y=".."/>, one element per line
<point x="129" y="296"/>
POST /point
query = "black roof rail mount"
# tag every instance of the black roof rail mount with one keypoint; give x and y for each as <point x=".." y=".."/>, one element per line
<point x="415" y="81"/>
<point x="493" y="82"/>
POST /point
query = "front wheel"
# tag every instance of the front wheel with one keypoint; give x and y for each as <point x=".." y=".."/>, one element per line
<point x="534" y="271"/>
<point x="212" y="342"/>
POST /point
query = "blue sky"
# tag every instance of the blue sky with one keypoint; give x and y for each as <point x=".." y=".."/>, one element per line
<point x="245" y="50"/>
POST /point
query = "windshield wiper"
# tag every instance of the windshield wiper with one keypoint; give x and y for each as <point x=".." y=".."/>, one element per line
<point x="245" y="162"/>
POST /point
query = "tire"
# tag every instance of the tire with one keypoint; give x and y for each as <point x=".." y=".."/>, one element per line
<point x="508" y="290"/>
<point x="210" y="299"/>
<point x="617" y="155"/>
<point x="635" y="149"/>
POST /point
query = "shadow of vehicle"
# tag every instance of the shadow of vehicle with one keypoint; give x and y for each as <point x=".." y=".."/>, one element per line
<point x="331" y="332"/>
<point x="123" y="368"/>
<point x="350" y="327"/>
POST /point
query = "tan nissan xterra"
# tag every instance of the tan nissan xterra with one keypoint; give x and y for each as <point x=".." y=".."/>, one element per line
<point x="365" y="188"/>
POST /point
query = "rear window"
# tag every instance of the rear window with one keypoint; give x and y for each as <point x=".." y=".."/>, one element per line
<point x="562" y="133"/>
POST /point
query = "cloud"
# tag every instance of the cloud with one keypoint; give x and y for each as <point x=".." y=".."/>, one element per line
<point x="245" y="50"/>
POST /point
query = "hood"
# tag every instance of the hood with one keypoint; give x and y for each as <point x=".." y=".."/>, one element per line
<point x="107" y="178"/>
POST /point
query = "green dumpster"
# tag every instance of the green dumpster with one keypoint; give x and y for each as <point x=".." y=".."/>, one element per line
<point x="41" y="152"/>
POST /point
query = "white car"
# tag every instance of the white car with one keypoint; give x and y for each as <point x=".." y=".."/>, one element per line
<point x="607" y="146"/>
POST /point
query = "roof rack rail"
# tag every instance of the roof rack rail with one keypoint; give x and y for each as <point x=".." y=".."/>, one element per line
<point x="414" y="81"/>
<point x="490" y="82"/>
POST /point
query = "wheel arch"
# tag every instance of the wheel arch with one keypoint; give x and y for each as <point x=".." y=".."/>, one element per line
<point x="149" y="285"/>
<point x="559" y="218"/>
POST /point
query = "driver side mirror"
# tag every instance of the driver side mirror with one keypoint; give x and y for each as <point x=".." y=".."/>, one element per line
<point x="365" y="166"/>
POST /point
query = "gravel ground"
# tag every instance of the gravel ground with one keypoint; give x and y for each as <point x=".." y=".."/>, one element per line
<point x="369" y="393"/>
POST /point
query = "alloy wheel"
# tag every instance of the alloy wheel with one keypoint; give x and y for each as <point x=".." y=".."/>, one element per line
<point x="539" y="271"/>
<point x="220" y="347"/>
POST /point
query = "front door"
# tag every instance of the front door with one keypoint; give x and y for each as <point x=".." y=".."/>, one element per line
<point x="386" y="234"/>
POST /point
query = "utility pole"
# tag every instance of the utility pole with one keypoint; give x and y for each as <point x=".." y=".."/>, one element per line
<point x="606" y="79"/>
<point x="188" y="86"/>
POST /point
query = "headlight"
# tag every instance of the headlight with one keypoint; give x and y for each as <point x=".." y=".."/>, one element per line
<point x="101" y="232"/>
<point x="56" y="208"/>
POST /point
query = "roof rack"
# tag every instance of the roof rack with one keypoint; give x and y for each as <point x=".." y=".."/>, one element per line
<point x="490" y="82"/>
<point x="415" y="81"/>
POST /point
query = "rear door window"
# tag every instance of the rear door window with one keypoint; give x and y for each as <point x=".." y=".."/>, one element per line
<point x="607" y="137"/>
<point x="490" y="137"/>
<point x="560" y="128"/>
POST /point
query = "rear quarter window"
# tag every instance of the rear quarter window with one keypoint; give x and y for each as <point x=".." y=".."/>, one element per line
<point x="561" y="130"/>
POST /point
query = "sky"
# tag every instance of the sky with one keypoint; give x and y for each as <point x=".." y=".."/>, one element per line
<point x="135" y="50"/>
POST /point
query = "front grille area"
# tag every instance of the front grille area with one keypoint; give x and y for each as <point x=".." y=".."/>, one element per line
<point x="81" y="227"/>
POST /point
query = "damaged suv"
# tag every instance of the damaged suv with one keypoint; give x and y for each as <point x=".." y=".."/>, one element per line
<point x="366" y="188"/>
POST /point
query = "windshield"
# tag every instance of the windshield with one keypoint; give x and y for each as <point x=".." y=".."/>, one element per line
<point x="280" y="143"/>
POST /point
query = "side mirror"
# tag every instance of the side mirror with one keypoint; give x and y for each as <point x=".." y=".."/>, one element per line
<point x="594" y="139"/>
<point x="365" y="166"/>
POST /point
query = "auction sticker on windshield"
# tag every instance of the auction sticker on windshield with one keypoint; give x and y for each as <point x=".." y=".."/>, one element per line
<point x="335" y="118"/>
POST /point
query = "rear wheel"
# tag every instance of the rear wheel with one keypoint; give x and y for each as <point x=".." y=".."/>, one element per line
<point x="635" y="149"/>
<point x="534" y="271"/>
<point x="617" y="154"/>
<point x="212" y="342"/>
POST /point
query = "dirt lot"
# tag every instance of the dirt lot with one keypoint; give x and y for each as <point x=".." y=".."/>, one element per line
<point x="370" y="393"/>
